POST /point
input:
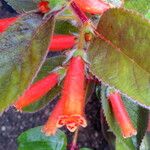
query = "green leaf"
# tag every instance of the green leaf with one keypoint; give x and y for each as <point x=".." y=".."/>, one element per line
<point x="119" y="145"/>
<point x="23" y="48"/>
<point x="54" y="3"/>
<point x="34" y="139"/>
<point x="142" y="6"/>
<point x="48" y="66"/>
<point x="141" y="124"/>
<point x="23" y="5"/>
<point x="145" y="145"/>
<point x="122" y="59"/>
<point x="138" y="115"/>
<point x="64" y="27"/>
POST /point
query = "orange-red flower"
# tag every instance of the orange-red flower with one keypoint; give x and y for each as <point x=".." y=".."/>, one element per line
<point x="5" y="23"/>
<point x="50" y="127"/>
<point x="62" y="42"/>
<point x="70" y="109"/>
<point x="121" y="115"/>
<point x="92" y="6"/>
<point x="73" y="96"/>
<point x="37" y="90"/>
<point x="43" y="6"/>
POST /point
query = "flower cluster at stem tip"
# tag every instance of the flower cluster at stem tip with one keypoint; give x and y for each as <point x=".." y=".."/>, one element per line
<point x="69" y="110"/>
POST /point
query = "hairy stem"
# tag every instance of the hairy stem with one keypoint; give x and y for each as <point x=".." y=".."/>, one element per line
<point x="79" y="13"/>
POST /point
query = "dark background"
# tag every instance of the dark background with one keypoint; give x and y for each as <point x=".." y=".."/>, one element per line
<point x="13" y="123"/>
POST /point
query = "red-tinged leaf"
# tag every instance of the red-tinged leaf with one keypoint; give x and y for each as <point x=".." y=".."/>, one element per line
<point x="122" y="59"/>
<point x="23" y="48"/>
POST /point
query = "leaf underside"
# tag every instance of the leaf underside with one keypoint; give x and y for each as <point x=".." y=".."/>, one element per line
<point x="22" y="6"/>
<point x="22" y="52"/>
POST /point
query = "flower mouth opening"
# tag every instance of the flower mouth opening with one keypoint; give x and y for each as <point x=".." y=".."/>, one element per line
<point x="72" y="122"/>
<point x="129" y="132"/>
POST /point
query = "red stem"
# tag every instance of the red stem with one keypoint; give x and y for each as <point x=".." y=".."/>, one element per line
<point x="80" y="14"/>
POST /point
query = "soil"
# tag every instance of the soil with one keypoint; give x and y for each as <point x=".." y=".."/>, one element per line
<point x="13" y="123"/>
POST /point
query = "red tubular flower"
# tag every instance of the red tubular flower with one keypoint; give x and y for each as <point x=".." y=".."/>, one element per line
<point x="69" y="110"/>
<point x="121" y="115"/>
<point x="62" y="42"/>
<point x="50" y="127"/>
<point x="43" y="6"/>
<point x="36" y="91"/>
<point x="93" y="6"/>
<point x="73" y="96"/>
<point x="5" y="23"/>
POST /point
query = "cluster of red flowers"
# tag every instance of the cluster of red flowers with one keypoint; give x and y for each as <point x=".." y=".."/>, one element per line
<point x="69" y="111"/>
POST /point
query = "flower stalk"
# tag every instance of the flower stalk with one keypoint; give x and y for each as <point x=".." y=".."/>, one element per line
<point x="79" y="13"/>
